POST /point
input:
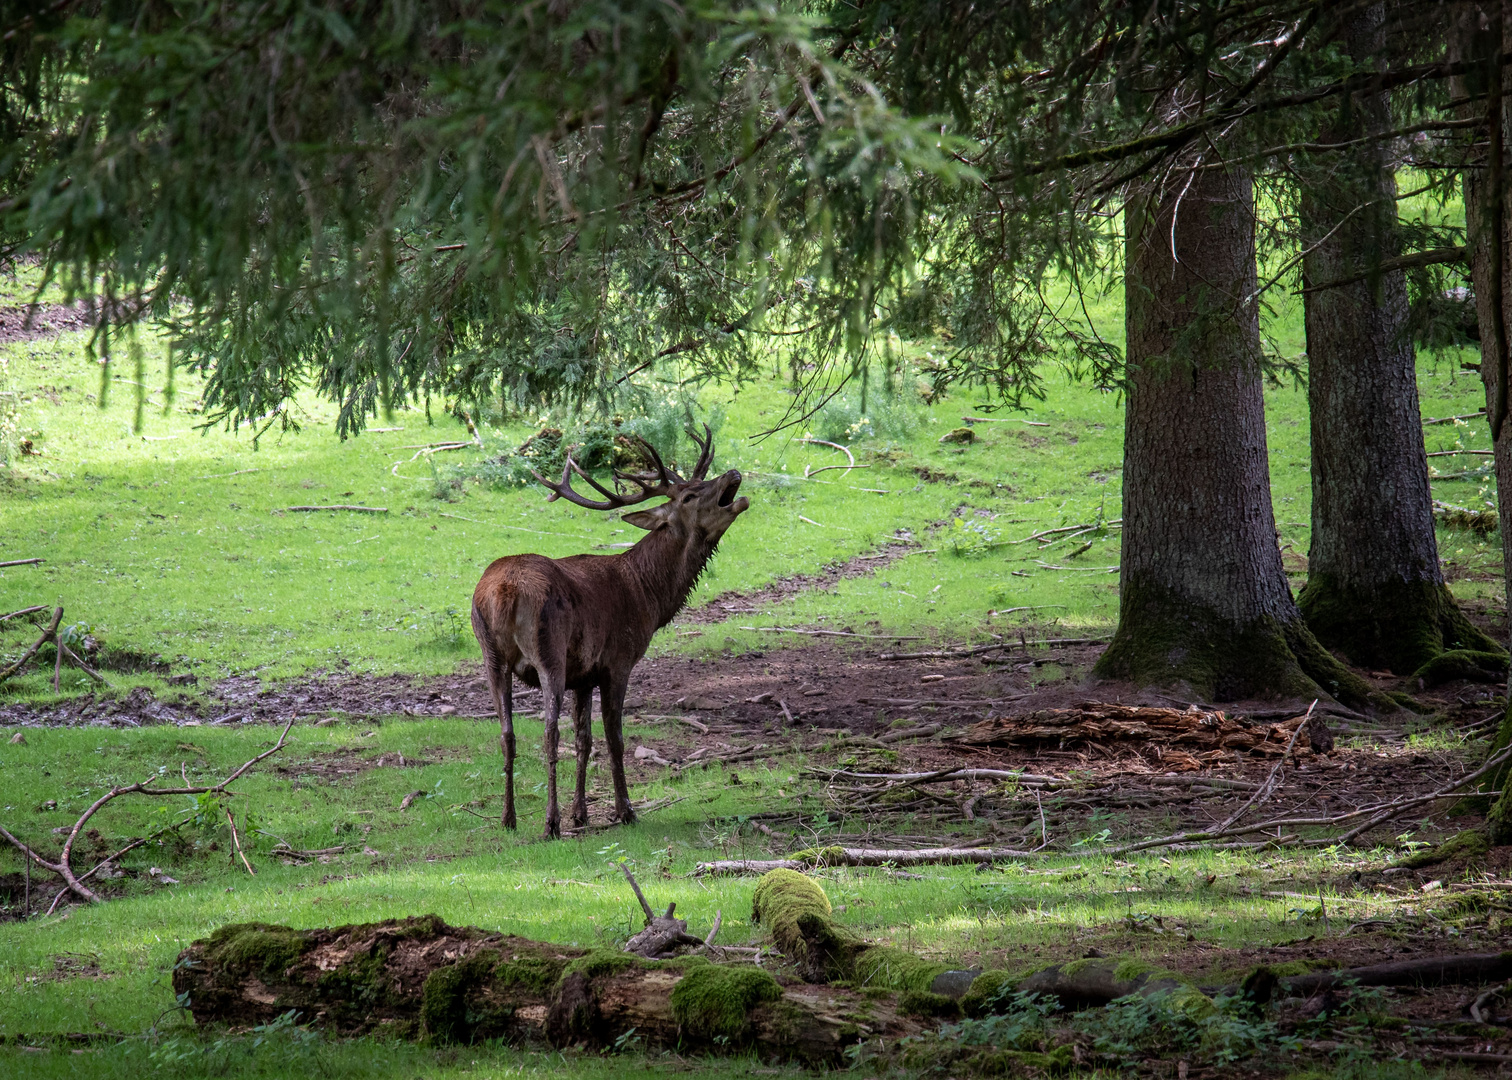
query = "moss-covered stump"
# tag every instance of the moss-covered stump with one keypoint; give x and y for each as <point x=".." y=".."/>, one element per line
<point x="422" y="979"/>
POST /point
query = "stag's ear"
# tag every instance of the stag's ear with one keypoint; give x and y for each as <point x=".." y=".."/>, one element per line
<point x="650" y="520"/>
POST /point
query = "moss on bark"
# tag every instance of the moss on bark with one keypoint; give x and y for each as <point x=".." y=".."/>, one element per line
<point x="1397" y="625"/>
<point x="1166" y="640"/>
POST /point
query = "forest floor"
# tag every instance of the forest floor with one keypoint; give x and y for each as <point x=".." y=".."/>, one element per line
<point x="223" y="615"/>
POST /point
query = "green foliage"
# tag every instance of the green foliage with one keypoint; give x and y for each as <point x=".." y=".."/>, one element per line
<point x="1015" y="1021"/>
<point x="856" y="416"/>
<point x="1136" y="1026"/>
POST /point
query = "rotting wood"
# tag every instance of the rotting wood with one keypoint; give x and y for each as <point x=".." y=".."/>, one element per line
<point x="1466" y="969"/>
<point x="339" y="506"/>
<point x="1204" y="735"/>
<point x="420" y="978"/>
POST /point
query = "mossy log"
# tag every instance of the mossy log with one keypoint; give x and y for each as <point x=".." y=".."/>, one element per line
<point x="419" y="978"/>
<point x="1187" y="738"/>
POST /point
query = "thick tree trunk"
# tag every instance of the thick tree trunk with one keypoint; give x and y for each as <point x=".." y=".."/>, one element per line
<point x="1204" y="601"/>
<point x="1479" y="31"/>
<point x="420" y="978"/>
<point x="1374" y="586"/>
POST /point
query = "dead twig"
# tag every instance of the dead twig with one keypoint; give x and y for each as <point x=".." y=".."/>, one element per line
<point x="635" y="887"/>
<point x="20" y="562"/>
<point x="24" y="611"/>
<point x="64" y="868"/>
<point x="1267" y="789"/>
<point x="339" y="506"/>
<point x="47" y="635"/>
<point x="236" y="840"/>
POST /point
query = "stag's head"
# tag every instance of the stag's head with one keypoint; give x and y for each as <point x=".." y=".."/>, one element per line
<point x="696" y="509"/>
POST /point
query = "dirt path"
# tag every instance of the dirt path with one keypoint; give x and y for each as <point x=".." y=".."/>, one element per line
<point x="751" y="603"/>
<point x="33" y="321"/>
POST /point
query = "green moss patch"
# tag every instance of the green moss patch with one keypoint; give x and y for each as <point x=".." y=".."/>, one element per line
<point x="248" y="948"/>
<point x="781" y="897"/>
<point x="713" y="1002"/>
<point x="987" y="989"/>
<point x="444" y="1015"/>
<point x="598" y="963"/>
<point x="929" y="1004"/>
<point x="531" y="974"/>
<point x="896" y="969"/>
<point x="1470" y="844"/>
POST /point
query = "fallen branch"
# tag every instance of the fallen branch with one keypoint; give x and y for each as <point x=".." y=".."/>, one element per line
<point x="1466" y="969"/>
<point x="47" y="635"/>
<point x="838" y="856"/>
<point x="20" y="562"/>
<point x="911" y="703"/>
<point x="339" y="506"/>
<point x="945" y="654"/>
<point x="1476" y="415"/>
<point x="832" y="445"/>
<point x="64" y="868"/>
<point x="1003" y="420"/>
<point x="829" y="633"/>
<point x="24" y="611"/>
<point x="1272" y="781"/>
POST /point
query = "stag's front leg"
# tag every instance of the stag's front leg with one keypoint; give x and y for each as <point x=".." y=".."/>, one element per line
<point x="553" y="710"/>
<point x="582" y="731"/>
<point x="611" y="704"/>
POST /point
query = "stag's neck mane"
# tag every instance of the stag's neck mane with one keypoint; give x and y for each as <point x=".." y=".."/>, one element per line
<point x="668" y="566"/>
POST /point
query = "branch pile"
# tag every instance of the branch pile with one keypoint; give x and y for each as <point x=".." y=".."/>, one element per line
<point x="1182" y="739"/>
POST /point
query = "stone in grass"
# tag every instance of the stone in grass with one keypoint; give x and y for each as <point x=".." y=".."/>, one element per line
<point x="963" y="435"/>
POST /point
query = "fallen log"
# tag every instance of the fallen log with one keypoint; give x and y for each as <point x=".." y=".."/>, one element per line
<point x="842" y="856"/>
<point x="420" y="978"/>
<point x="1469" y="969"/>
<point x="1203" y="736"/>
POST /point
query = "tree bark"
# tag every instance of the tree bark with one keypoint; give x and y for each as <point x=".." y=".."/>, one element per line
<point x="420" y="978"/>
<point x="1481" y="30"/>
<point x="1375" y="590"/>
<point x="1204" y="604"/>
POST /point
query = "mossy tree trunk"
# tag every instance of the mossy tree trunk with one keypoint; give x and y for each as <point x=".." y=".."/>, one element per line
<point x="1375" y="590"/>
<point x="1481" y="31"/>
<point x="1204" y="604"/>
<point x="420" y="978"/>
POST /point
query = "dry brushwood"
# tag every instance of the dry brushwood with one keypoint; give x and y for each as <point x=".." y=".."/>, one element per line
<point x="74" y="883"/>
<point x="1197" y="736"/>
<point x="420" y="978"/>
<point x="843" y="856"/>
<point x="50" y="634"/>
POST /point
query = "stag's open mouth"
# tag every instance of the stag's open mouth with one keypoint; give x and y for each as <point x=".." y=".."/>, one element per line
<point x="727" y="496"/>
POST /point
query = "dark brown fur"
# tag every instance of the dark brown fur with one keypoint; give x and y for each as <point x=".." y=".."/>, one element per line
<point x="584" y="621"/>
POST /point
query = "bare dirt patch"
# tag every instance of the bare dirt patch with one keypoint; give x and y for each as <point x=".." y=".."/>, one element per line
<point x="35" y="321"/>
<point x="751" y="603"/>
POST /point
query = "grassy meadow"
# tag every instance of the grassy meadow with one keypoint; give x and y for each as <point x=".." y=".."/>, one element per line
<point x="177" y="546"/>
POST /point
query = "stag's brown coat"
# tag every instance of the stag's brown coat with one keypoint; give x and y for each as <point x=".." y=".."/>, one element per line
<point x="584" y="621"/>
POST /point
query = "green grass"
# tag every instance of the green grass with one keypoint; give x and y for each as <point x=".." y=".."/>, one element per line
<point x="179" y="543"/>
<point x="168" y="546"/>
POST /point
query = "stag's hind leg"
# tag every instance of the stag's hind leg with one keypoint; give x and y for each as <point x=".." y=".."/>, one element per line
<point x="611" y="705"/>
<point x="582" y="731"/>
<point x="501" y="686"/>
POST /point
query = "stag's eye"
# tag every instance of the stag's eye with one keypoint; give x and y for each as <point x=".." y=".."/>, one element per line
<point x="688" y="497"/>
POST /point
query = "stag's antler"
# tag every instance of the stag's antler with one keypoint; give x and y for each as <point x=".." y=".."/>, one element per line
<point x="651" y="485"/>
<point x="705" y="451"/>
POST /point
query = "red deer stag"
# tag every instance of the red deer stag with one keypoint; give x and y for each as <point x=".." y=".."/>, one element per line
<point x="584" y="621"/>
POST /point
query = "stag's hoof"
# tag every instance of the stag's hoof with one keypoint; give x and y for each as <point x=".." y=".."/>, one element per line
<point x="580" y="820"/>
<point x="509" y="821"/>
<point x="626" y="815"/>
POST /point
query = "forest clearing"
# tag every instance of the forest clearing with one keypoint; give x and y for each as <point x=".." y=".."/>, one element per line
<point x="1073" y="641"/>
